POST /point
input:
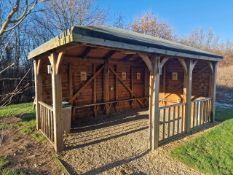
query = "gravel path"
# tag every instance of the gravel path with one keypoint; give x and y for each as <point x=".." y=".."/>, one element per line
<point x="119" y="146"/>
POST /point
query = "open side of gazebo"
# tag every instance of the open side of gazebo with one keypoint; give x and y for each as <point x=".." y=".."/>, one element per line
<point x="102" y="70"/>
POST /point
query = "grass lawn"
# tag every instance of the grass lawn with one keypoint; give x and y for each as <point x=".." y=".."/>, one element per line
<point x="17" y="109"/>
<point x="27" y="125"/>
<point x="211" y="152"/>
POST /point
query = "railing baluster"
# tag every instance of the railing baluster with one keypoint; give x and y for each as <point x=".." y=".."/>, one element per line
<point x="178" y="120"/>
<point x="169" y="113"/>
<point x="183" y="117"/>
<point x="194" y="113"/>
<point x="205" y="111"/>
<point x="174" y="119"/>
<point x="164" y="115"/>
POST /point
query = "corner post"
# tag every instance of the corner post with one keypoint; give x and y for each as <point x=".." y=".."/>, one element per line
<point x="188" y="93"/>
<point x="38" y="90"/>
<point x="154" y="103"/>
<point x="57" y="101"/>
<point x="213" y="91"/>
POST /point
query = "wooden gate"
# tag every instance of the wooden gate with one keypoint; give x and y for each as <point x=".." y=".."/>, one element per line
<point x="46" y="119"/>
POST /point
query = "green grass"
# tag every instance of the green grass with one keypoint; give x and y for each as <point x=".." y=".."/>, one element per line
<point x="7" y="126"/>
<point x="3" y="162"/>
<point x="27" y="124"/>
<point x="4" y="170"/>
<point x="211" y="152"/>
<point x="16" y="109"/>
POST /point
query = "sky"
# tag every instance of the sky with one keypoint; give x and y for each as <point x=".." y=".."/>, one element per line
<point x="183" y="15"/>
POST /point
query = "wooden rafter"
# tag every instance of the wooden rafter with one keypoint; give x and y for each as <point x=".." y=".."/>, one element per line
<point x="59" y="60"/>
<point x="121" y="81"/>
<point x="164" y="60"/>
<point x="193" y="64"/>
<point x="55" y="61"/>
<point x="86" y="51"/>
<point x="38" y="66"/>
<point x="183" y="63"/>
<point x="211" y="66"/>
<point x="127" y="57"/>
<point x="87" y="83"/>
<point x="146" y="60"/>
<point x="109" y="54"/>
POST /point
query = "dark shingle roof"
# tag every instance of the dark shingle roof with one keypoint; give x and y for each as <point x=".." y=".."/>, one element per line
<point x="123" y="39"/>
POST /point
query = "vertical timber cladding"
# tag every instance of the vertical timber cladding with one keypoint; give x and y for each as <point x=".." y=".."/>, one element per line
<point x="46" y="82"/>
<point x="171" y="89"/>
<point x="136" y="74"/>
<point x="201" y="76"/>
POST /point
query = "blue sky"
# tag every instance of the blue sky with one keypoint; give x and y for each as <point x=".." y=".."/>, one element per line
<point x="182" y="15"/>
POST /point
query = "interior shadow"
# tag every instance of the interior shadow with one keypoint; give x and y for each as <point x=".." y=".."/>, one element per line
<point x="115" y="119"/>
<point x="91" y="138"/>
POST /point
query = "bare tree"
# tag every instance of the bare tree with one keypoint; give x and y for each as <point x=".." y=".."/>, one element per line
<point x="12" y="78"/>
<point x="151" y="25"/>
<point x="62" y="15"/>
<point x="13" y="18"/>
<point x="119" y="22"/>
<point x="203" y="39"/>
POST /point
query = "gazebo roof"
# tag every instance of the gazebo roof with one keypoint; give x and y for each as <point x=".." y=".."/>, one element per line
<point x="121" y="39"/>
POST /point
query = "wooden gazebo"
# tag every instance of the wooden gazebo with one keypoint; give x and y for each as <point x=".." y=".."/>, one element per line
<point x="103" y="70"/>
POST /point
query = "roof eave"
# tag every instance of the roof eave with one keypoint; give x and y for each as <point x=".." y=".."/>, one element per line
<point x="70" y="36"/>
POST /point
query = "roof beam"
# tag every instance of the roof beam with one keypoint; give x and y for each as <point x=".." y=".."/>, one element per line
<point x="127" y="57"/>
<point x="109" y="54"/>
<point x="86" y="51"/>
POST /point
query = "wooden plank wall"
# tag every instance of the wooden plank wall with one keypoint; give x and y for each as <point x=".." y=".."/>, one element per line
<point x="201" y="77"/>
<point x="171" y="90"/>
<point x="116" y="90"/>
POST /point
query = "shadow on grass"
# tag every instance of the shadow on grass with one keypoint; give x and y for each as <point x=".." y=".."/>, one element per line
<point x="27" y="116"/>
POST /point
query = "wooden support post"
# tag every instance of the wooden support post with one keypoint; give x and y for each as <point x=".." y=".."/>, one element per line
<point x="70" y="82"/>
<point x="94" y="91"/>
<point x="188" y="93"/>
<point x="131" y="85"/>
<point x="213" y="90"/>
<point x="146" y="82"/>
<point x="164" y="84"/>
<point x="154" y="103"/>
<point x="106" y="86"/>
<point x="116" y="89"/>
<point x="57" y="101"/>
<point x="71" y="91"/>
<point x="38" y="91"/>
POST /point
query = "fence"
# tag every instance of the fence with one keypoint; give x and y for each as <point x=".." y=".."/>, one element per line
<point x="172" y="117"/>
<point x="171" y="120"/>
<point x="201" y="112"/>
<point x="46" y="119"/>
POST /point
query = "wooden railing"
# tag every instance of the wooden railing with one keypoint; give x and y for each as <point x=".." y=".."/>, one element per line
<point x="171" y="120"/>
<point x="46" y="119"/>
<point x="201" y="112"/>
